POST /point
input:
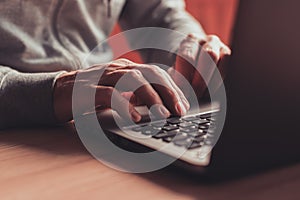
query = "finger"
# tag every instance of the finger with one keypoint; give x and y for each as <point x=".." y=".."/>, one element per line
<point x="225" y="51"/>
<point x="213" y="49"/>
<point x="219" y="58"/>
<point x="164" y="86"/>
<point x="182" y="65"/>
<point x="179" y="91"/>
<point x="127" y="95"/>
<point x="183" y="71"/>
<point x="132" y="98"/>
<point x="216" y="48"/>
<point x="219" y="75"/>
<point x="205" y="69"/>
<point x="133" y="80"/>
<point x="146" y="94"/>
<point x="181" y="83"/>
<point x="108" y="97"/>
<point x="181" y="95"/>
<point x="123" y="61"/>
<point x="186" y="58"/>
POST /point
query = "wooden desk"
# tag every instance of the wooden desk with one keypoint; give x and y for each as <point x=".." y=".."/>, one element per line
<point x="53" y="164"/>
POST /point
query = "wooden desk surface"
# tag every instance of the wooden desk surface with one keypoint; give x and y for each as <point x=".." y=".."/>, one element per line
<point x="53" y="164"/>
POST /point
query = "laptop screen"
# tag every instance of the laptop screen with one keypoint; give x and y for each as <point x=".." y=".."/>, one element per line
<point x="263" y="84"/>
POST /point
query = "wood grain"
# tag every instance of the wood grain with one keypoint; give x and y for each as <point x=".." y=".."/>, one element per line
<point x="53" y="164"/>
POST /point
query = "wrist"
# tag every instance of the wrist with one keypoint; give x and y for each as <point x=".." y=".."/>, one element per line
<point x="62" y="96"/>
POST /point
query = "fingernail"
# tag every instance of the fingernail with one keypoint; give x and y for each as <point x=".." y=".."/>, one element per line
<point x="136" y="116"/>
<point x="164" y="111"/>
<point x="226" y="51"/>
<point x="180" y="108"/>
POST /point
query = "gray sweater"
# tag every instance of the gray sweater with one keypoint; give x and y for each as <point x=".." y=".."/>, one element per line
<point x="42" y="38"/>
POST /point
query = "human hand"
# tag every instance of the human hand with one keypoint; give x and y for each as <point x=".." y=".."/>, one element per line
<point x="192" y="52"/>
<point x="155" y="89"/>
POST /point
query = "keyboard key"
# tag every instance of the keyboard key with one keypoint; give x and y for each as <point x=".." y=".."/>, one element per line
<point x="158" y="124"/>
<point x="174" y="138"/>
<point x="186" y="124"/>
<point x="200" y="121"/>
<point x="164" y="134"/>
<point x="199" y="139"/>
<point x="174" y="120"/>
<point x="168" y="139"/>
<point x="203" y="127"/>
<point x="194" y="145"/>
<point x="148" y="130"/>
<point x="180" y="136"/>
<point x="170" y="128"/>
<point x="138" y="128"/>
<point x="185" y="142"/>
<point x="189" y="129"/>
<point x="197" y="133"/>
<point x="196" y="142"/>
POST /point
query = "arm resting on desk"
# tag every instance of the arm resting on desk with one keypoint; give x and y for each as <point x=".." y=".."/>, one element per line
<point x="26" y="98"/>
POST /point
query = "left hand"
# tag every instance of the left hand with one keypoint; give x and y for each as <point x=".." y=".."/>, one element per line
<point x="191" y="50"/>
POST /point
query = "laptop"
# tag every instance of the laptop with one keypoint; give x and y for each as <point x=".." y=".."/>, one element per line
<point x="262" y="126"/>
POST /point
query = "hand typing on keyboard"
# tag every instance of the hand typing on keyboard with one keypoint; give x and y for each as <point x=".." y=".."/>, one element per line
<point x="141" y="84"/>
<point x="193" y="57"/>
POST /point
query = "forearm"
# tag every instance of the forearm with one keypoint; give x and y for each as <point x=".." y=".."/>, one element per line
<point x="26" y="98"/>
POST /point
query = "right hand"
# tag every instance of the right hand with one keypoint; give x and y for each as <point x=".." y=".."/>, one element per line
<point x="164" y="97"/>
<point x="192" y="59"/>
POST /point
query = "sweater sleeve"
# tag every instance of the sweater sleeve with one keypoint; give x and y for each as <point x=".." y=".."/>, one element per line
<point x="170" y="14"/>
<point x="26" y="98"/>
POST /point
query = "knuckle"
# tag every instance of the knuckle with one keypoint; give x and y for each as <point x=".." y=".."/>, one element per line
<point x="155" y="69"/>
<point x="134" y="73"/>
<point x="166" y="75"/>
<point x="124" y="61"/>
<point x="214" y="38"/>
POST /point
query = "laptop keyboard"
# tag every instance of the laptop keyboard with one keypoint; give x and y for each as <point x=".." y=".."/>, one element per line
<point x="190" y="132"/>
